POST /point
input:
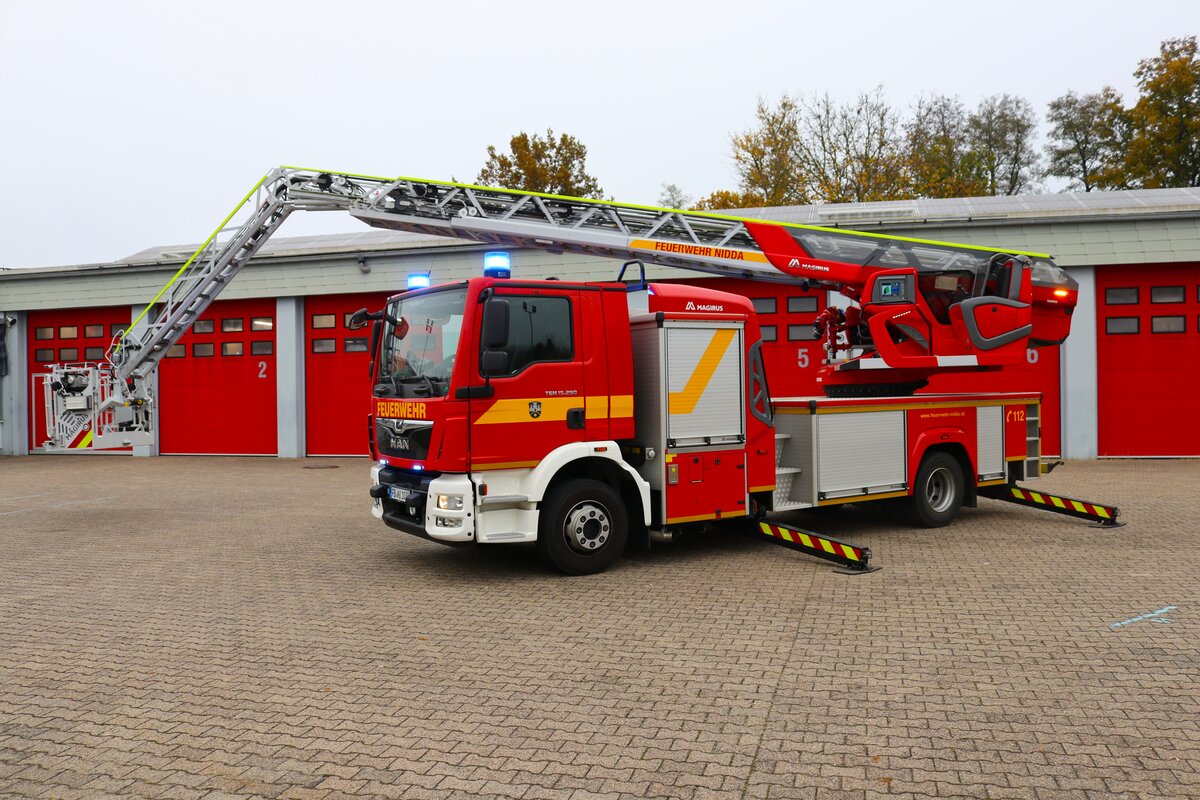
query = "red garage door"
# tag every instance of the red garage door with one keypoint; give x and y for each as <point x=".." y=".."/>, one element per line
<point x="1040" y="372"/>
<point x="63" y="336"/>
<point x="217" y="385"/>
<point x="1148" y="359"/>
<point x="337" y="390"/>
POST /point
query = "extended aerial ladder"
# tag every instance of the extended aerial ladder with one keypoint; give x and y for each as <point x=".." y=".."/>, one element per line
<point x="901" y="334"/>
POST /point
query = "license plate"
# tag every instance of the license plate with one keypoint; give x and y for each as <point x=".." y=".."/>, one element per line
<point x="399" y="493"/>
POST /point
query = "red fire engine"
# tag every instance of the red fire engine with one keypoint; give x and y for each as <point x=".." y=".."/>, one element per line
<point x="581" y="415"/>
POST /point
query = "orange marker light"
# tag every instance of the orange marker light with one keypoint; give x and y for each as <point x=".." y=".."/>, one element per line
<point x="1061" y="292"/>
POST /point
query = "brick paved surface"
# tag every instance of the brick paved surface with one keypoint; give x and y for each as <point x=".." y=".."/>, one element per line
<point x="224" y="628"/>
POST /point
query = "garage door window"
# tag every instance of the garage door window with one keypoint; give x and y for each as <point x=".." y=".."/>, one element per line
<point x="44" y="355"/>
<point x="68" y="332"/>
<point x="43" y="333"/>
<point x="763" y="305"/>
<point x="801" y="333"/>
<point x="176" y="351"/>
<point x="232" y="325"/>
<point x="262" y="324"/>
<point x="1123" y="296"/>
<point x="324" y="321"/>
<point x="1119" y="325"/>
<point x="355" y="345"/>
<point x="262" y="348"/>
<point x="202" y="326"/>
<point x="117" y="329"/>
<point x="324" y="345"/>
<point x="232" y="348"/>
<point x="769" y="334"/>
<point x="802" y="305"/>
<point x="96" y="331"/>
<point x="93" y="354"/>
<point x="202" y="350"/>
<point x="68" y="354"/>
<point x="1167" y="325"/>
<point x="1166" y="294"/>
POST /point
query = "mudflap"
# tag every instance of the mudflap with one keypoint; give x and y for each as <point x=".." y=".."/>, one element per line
<point x="853" y="559"/>
<point x="1103" y="515"/>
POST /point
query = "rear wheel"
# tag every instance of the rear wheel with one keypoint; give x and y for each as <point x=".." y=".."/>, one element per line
<point x="583" y="527"/>
<point x="939" y="490"/>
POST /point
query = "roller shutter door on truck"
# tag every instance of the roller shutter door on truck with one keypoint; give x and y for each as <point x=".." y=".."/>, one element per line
<point x="1148" y="359"/>
<point x="217" y="384"/>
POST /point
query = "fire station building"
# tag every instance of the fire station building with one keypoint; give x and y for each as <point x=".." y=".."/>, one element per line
<point x="273" y="369"/>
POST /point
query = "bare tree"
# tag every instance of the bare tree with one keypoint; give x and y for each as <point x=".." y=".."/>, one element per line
<point x="1002" y="136"/>
<point x="851" y="152"/>
<point x="1087" y="139"/>
<point x="673" y="197"/>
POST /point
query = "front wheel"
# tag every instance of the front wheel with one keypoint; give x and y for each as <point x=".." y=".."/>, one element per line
<point x="583" y="527"/>
<point x="939" y="490"/>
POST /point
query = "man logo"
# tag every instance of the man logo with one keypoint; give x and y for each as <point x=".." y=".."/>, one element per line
<point x="535" y="409"/>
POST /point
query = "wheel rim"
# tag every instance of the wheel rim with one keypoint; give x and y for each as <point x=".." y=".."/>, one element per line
<point x="588" y="527"/>
<point x="939" y="490"/>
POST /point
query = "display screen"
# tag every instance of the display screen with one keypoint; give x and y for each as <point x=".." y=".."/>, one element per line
<point x="891" y="288"/>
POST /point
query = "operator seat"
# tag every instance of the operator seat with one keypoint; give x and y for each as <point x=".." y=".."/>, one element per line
<point x="994" y="320"/>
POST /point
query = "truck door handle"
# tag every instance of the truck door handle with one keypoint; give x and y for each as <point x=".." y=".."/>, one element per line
<point x="575" y="418"/>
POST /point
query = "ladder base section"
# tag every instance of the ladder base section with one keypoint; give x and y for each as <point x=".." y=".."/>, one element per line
<point x="1103" y="515"/>
<point x="854" y="560"/>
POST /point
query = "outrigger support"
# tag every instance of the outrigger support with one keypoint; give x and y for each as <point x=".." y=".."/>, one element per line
<point x="855" y="560"/>
<point x="1093" y="512"/>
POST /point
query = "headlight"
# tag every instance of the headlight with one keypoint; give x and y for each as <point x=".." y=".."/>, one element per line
<point x="450" y="502"/>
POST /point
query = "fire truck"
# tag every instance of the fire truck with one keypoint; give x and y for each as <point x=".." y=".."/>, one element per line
<point x="582" y="415"/>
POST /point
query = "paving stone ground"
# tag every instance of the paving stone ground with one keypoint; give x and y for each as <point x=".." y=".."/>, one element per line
<point x="231" y="628"/>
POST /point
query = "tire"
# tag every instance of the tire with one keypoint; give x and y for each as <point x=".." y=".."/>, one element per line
<point x="939" y="490"/>
<point x="583" y="527"/>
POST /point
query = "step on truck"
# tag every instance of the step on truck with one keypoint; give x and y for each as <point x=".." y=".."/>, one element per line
<point x="576" y="415"/>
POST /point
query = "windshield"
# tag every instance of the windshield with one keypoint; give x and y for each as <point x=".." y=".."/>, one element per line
<point x="420" y="339"/>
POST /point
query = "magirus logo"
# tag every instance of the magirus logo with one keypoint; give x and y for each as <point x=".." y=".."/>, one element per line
<point x="702" y="307"/>
<point x="795" y="262"/>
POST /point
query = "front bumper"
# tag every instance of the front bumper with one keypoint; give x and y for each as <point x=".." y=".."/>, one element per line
<point x="417" y="512"/>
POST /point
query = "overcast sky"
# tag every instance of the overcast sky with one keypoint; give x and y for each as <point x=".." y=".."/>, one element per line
<point x="133" y="124"/>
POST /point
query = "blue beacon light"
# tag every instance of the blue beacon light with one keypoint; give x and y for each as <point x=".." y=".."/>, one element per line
<point x="418" y="280"/>
<point x="497" y="264"/>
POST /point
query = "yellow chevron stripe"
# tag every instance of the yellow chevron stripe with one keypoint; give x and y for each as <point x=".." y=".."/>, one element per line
<point x="827" y="546"/>
<point x="1058" y="502"/>
<point x="765" y="528"/>
<point x="1037" y="498"/>
<point x="1078" y="506"/>
<point x="805" y="540"/>
<point x="685" y="400"/>
<point x="85" y="441"/>
<point x="786" y="534"/>
<point x="1103" y="512"/>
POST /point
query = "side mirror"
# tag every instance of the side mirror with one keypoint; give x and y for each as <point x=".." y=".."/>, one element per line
<point x="358" y="319"/>
<point x="495" y="324"/>
<point x="376" y="330"/>
<point x="493" y="362"/>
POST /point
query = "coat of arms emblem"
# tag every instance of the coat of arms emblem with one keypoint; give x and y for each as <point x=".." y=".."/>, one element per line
<point x="535" y="409"/>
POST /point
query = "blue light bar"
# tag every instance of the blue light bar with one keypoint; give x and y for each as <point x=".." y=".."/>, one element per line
<point x="497" y="264"/>
<point x="418" y="280"/>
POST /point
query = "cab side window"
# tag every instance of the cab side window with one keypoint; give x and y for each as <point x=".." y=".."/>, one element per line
<point x="539" y="329"/>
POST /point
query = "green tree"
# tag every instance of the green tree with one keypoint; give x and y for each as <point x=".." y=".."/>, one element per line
<point x="1001" y="134"/>
<point x="938" y="155"/>
<point x="555" y="165"/>
<point x="1164" y="145"/>
<point x="1088" y="136"/>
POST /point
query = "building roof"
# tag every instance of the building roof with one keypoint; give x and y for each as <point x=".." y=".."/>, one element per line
<point x="1023" y="208"/>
